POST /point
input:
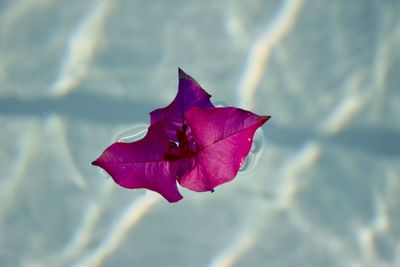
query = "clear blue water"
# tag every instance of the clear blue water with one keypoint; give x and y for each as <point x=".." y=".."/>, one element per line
<point x="324" y="184"/>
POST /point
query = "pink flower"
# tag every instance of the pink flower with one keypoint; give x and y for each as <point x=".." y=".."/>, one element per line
<point x="189" y="141"/>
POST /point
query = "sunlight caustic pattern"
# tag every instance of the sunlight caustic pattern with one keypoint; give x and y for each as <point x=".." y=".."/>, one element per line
<point x="131" y="216"/>
<point x="82" y="46"/>
<point x="257" y="61"/>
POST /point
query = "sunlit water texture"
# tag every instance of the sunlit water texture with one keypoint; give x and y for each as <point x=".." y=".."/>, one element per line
<point x="321" y="186"/>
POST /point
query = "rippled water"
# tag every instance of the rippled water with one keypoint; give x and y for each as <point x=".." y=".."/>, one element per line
<point x="320" y="187"/>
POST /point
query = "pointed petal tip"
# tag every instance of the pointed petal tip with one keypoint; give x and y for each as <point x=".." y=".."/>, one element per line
<point x="180" y="72"/>
<point x="183" y="75"/>
<point x="171" y="197"/>
<point x="174" y="200"/>
<point x="266" y="117"/>
<point x="95" y="162"/>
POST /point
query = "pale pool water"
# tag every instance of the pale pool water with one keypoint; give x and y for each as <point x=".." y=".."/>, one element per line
<point x="322" y="184"/>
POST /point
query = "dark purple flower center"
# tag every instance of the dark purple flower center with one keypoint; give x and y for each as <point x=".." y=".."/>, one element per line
<point x="184" y="147"/>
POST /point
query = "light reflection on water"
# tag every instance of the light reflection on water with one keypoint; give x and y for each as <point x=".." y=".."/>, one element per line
<point x="133" y="134"/>
<point x="255" y="153"/>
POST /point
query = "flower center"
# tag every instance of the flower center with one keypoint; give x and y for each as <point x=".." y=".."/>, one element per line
<point x="184" y="147"/>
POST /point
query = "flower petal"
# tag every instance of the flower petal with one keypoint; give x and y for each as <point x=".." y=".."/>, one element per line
<point x="141" y="164"/>
<point x="224" y="137"/>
